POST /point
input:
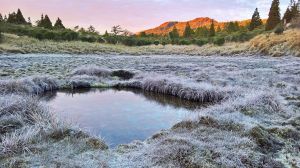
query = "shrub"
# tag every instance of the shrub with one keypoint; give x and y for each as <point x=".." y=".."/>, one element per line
<point x="101" y="40"/>
<point x="111" y="39"/>
<point x="39" y="35"/>
<point x="1" y="38"/>
<point x="69" y="35"/>
<point x="49" y="35"/>
<point x="143" y="41"/>
<point x="201" y="42"/>
<point x="279" y="29"/>
<point x="184" y="42"/>
<point x="219" y="41"/>
<point x="88" y="38"/>
<point x="156" y="43"/>
<point x="130" y="41"/>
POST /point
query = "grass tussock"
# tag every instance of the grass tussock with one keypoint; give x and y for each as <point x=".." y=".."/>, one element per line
<point x="30" y="85"/>
<point x="91" y="70"/>
<point x="287" y="43"/>
<point x="23" y="118"/>
<point x="29" y="133"/>
<point x="204" y="93"/>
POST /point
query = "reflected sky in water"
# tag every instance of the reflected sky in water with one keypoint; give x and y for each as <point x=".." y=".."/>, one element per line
<point x="120" y="116"/>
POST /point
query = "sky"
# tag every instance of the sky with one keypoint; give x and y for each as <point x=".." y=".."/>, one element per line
<point x="136" y="15"/>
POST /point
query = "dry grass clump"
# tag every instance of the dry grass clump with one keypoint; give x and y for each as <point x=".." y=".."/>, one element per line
<point x="277" y="45"/>
<point x="91" y="70"/>
<point x="30" y="85"/>
<point x="30" y="133"/>
<point x="22" y="120"/>
<point x="203" y="93"/>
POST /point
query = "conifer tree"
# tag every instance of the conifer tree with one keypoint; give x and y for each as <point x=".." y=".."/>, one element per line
<point x="58" y="24"/>
<point x="232" y="27"/>
<point x="295" y="11"/>
<point x="188" y="32"/>
<point x="20" y="18"/>
<point x="1" y="18"/>
<point x="143" y="34"/>
<point x="202" y="32"/>
<point x="255" y="21"/>
<point x="106" y="34"/>
<point x="287" y="17"/>
<point x="41" y="21"/>
<point x="29" y="21"/>
<point x="212" y="31"/>
<point x="174" y="33"/>
<point x="12" y="18"/>
<point x="219" y="29"/>
<point x="274" y="16"/>
<point x="45" y="22"/>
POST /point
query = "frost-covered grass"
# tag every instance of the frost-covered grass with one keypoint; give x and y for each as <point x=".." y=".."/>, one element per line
<point x="252" y="120"/>
<point x="29" y="130"/>
<point x="30" y="85"/>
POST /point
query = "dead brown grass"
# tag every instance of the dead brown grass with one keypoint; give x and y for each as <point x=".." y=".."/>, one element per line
<point x="277" y="45"/>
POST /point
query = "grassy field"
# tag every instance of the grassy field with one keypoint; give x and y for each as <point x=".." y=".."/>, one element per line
<point x="252" y="121"/>
<point x="265" y="44"/>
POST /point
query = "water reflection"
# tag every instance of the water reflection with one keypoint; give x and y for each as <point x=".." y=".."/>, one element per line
<point x="120" y="116"/>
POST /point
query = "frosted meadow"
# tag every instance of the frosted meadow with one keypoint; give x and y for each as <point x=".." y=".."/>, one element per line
<point x="252" y="119"/>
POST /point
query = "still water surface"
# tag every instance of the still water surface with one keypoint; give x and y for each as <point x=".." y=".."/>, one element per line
<point x="120" y="116"/>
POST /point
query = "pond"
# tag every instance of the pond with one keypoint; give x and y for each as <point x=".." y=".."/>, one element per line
<point x="120" y="116"/>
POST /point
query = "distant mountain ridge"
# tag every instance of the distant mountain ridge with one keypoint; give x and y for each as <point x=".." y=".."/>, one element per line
<point x="167" y="27"/>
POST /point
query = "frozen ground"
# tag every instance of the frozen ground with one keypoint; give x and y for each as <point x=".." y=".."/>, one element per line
<point x="253" y="119"/>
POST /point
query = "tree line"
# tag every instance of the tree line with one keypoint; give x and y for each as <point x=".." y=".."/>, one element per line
<point x="231" y="31"/>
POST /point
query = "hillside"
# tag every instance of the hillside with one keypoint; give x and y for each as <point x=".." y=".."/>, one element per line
<point x="198" y="22"/>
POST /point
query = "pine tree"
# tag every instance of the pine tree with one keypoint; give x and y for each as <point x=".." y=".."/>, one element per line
<point x="46" y="22"/>
<point x="20" y="18"/>
<point x="219" y="29"/>
<point x="274" y="16"/>
<point x="212" y="31"/>
<point x="12" y="17"/>
<point x="41" y="21"/>
<point x="143" y="34"/>
<point x="202" y="32"/>
<point x="106" y="34"/>
<point x="174" y="33"/>
<point x="232" y="27"/>
<point x="1" y="18"/>
<point x="29" y="21"/>
<point x="294" y="9"/>
<point x="287" y="15"/>
<point x="256" y="21"/>
<point x="188" y="32"/>
<point x="58" y="24"/>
